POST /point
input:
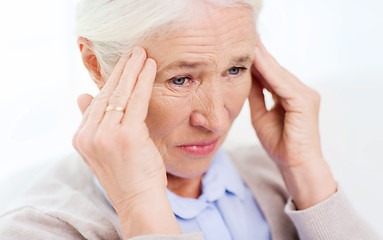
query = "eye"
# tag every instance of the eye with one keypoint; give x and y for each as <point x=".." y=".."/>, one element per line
<point x="236" y="70"/>
<point x="180" y="81"/>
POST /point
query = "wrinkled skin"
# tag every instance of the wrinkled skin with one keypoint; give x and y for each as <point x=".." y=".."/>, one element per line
<point x="205" y="106"/>
<point x="134" y="153"/>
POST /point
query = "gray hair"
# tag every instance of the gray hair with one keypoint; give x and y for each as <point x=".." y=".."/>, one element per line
<point x="112" y="26"/>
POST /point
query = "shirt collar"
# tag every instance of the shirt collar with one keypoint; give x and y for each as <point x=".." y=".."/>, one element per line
<point x="222" y="174"/>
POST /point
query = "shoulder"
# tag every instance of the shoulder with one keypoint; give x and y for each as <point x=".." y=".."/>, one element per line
<point x="62" y="197"/>
<point x="59" y="181"/>
<point x="253" y="155"/>
<point x="28" y="222"/>
<point x="257" y="168"/>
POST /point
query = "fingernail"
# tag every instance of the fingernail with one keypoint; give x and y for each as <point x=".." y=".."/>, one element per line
<point x="136" y="50"/>
<point x="151" y="62"/>
<point x="126" y="54"/>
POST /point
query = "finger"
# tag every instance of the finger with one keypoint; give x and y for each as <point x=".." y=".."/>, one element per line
<point x="98" y="106"/>
<point x="261" y="117"/>
<point x="257" y="101"/>
<point x="261" y="81"/>
<point x="83" y="102"/>
<point x="138" y="105"/>
<point x="267" y="124"/>
<point x="282" y="82"/>
<point x="123" y="91"/>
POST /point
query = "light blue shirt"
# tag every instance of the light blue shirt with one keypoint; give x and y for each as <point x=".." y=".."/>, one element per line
<point x="226" y="208"/>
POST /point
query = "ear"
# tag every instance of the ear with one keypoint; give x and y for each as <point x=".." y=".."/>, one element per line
<point x="90" y="61"/>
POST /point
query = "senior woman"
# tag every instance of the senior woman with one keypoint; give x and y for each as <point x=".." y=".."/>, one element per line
<point x="173" y="76"/>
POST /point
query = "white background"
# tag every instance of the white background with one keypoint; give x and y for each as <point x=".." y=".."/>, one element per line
<point x="334" y="46"/>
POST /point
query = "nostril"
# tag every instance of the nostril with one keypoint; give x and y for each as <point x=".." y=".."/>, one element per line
<point x="213" y="122"/>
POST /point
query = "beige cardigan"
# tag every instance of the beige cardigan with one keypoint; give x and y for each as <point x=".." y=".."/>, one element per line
<point x="64" y="203"/>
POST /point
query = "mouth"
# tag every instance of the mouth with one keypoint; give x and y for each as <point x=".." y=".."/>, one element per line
<point x="200" y="148"/>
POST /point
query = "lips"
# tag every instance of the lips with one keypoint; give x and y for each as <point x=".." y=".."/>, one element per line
<point x="199" y="149"/>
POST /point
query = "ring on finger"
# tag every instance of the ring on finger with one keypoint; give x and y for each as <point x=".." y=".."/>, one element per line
<point x="113" y="108"/>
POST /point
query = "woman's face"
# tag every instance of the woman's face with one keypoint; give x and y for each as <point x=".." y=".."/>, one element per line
<point x="202" y="82"/>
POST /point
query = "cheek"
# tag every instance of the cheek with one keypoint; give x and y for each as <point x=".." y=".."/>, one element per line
<point x="236" y="93"/>
<point x="165" y="113"/>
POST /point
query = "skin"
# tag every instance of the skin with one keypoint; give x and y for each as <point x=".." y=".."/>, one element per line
<point x="134" y="153"/>
<point x="205" y="106"/>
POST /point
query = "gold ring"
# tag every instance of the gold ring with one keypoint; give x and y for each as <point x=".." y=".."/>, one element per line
<point x="112" y="108"/>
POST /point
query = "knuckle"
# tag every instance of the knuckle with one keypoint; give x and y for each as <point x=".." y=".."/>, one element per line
<point x="310" y="97"/>
<point x="315" y="98"/>
<point x="74" y="141"/>
<point x="101" y="97"/>
<point x="118" y="97"/>
<point x="82" y="141"/>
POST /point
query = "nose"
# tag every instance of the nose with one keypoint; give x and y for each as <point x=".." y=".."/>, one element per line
<point x="209" y="109"/>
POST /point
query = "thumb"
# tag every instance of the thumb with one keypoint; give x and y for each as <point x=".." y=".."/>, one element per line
<point x="83" y="102"/>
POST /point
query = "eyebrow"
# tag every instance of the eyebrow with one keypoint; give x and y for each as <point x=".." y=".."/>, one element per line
<point x="182" y="64"/>
<point x="185" y="64"/>
<point x="242" y="60"/>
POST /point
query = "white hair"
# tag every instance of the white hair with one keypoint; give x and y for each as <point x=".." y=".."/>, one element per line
<point x="112" y="26"/>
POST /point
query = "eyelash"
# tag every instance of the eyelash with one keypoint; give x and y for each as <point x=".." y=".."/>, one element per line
<point x="240" y="69"/>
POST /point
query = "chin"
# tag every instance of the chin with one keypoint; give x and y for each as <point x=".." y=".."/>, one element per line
<point x="185" y="166"/>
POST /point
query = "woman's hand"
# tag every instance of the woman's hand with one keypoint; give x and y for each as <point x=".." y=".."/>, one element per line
<point x="116" y="146"/>
<point x="289" y="131"/>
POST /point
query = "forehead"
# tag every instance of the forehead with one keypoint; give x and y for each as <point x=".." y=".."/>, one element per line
<point x="213" y="36"/>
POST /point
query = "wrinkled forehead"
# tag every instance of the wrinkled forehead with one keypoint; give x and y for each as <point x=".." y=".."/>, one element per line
<point x="215" y="35"/>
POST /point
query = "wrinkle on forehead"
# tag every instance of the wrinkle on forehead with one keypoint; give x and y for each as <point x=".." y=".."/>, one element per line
<point x="210" y="36"/>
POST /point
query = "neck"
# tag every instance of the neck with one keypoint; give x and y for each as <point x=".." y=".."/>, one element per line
<point x="185" y="187"/>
